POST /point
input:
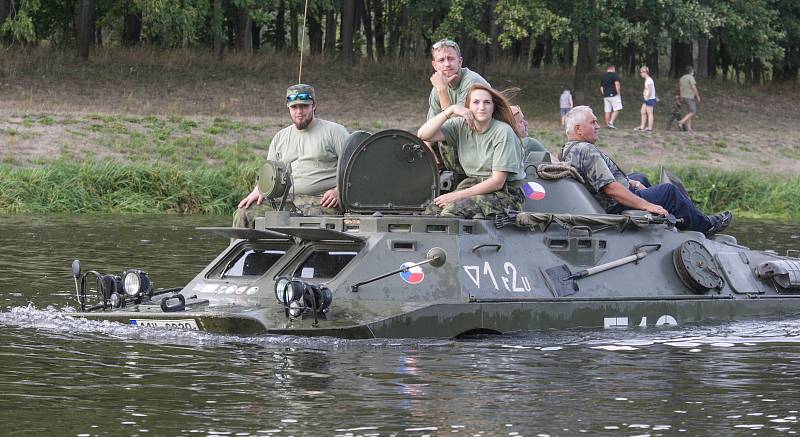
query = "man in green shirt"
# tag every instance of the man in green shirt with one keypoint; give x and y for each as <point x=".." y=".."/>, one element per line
<point x="529" y="144"/>
<point x="687" y="87"/>
<point x="311" y="146"/>
<point x="451" y="82"/>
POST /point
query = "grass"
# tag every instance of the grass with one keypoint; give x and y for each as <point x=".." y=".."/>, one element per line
<point x="182" y="111"/>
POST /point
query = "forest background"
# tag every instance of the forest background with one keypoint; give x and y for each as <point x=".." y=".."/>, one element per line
<point x="141" y="105"/>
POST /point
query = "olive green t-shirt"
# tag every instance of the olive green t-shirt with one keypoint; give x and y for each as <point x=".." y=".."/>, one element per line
<point x="458" y="94"/>
<point x="313" y="154"/>
<point x="530" y="144"/>
<point x="497" y="149"/>
<point x="686" y="82"/>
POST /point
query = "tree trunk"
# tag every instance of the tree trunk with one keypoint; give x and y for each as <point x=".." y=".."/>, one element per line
<point x="85" y="25"/>
<point x="255" y="31"/>
<point x="629" y="59"/>
<point x="315" y="31"/>
<point x="5" y="10"/>
<point x="366" y="15"/>
<point x="348" y="30"/>
<point x="724" y="60"/>
<point x="216" y="29"/>
<point x="279" y="38"/>
<point x="548" y="50"/>
<point x="680" y="58"/>
<point x="380" y="37"/>
<point x="244" y="40"/>
<point x="494" y="32"/>
<point x="132" y="25"/>
<point x="652" y="61"/>
<point x="584" y="65"/>
<point x="713" y="52"/>
<point x="538" y="54"/>
<point x="330" y="32"/>
<point x="294" y="26"/>
<point x="701" y="69"/>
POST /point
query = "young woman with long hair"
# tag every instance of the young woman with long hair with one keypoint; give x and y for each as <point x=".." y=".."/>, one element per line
<point x="485" y="137"/>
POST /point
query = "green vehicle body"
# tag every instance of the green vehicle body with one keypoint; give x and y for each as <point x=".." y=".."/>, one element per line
<point x="477" y="276"/>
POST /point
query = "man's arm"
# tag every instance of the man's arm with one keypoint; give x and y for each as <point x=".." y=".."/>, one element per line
<point x="622" y="195"/>
<point x="602" y="92"/>
<point x="696" y="93"/>
<point x="618" y="86"/>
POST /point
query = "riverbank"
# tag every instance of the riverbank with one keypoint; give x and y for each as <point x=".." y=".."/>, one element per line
<point x="181" y="112"/>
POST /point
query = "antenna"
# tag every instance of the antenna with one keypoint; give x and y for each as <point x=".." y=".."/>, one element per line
<point x="302" y="43"/>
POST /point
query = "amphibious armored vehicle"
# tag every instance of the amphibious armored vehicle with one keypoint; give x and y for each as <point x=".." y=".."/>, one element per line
<point x="383" y="269"/>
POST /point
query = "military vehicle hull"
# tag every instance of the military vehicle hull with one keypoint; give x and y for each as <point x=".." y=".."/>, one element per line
<point x="383" y="269"/>
<point x="492" y="281"/>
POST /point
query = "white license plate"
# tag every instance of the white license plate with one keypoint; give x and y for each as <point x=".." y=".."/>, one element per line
<point x="170" y="324"/>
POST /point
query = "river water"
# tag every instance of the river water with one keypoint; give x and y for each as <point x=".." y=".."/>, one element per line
<point x="60" y="376"/>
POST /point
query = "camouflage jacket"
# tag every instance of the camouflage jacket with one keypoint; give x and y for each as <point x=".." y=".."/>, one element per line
<point x="597" y="169"/>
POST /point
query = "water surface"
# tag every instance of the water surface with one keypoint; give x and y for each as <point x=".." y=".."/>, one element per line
<point x="60" y="376"/>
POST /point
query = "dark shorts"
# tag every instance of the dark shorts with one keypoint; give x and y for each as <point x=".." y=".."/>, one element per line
<point x="564" y="111"/>
<point x="650" y="102"/>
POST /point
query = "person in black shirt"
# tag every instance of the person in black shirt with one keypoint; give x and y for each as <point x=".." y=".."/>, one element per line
<point x="611" y="89"/>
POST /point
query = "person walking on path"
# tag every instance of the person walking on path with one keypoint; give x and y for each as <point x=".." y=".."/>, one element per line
<point x="611" y="89"/>
<point x="649" y="100"/>
<point x="565" y="102"/>
<point x="691" y="97"/>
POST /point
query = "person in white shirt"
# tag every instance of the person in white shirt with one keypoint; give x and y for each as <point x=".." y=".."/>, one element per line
<point x="649" y="100"/>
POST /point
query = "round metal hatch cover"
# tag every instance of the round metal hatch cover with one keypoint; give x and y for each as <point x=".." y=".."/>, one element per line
<point x="696" y="267"/>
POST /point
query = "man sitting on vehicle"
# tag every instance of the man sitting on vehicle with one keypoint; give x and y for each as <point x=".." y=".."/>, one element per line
<point x="616" y="192"/>
<point x="311" y="146"/>
<point x="529" y="144"/>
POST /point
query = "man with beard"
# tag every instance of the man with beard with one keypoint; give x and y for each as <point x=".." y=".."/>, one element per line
<point x="311" y="146"/>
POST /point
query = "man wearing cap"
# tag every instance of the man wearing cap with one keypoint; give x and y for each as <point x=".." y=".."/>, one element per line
<point x="311" y="146"/>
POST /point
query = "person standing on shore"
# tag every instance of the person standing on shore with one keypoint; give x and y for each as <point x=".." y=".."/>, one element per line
<point x="565" y="102"/>
<point x="691" y="97"/>
<point x="311" y="146"/>
<point x="611" y="90"/>
<point x="649" y="100"/>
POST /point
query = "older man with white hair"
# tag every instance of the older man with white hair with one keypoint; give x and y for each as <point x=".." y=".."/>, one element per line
<point x="616" y="192"/>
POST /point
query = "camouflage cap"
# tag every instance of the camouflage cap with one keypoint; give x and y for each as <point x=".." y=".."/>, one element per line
<point x="299" y="94"/>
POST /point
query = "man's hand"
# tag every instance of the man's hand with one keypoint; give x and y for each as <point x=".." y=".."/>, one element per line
<point x="446" y="199"/>
<point x="254" y="196"/>
<point x="466" y="113"/>
<point x="656" y="209"/>
<point x="331" y="198"/>
<point x="440" y="81"/>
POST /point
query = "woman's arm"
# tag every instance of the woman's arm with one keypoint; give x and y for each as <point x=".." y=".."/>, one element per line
<point x="494" y="183"/>
<point x="432" y="129"/>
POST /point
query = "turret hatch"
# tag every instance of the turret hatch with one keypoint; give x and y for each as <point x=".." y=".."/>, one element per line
<point x="390" y="171"/>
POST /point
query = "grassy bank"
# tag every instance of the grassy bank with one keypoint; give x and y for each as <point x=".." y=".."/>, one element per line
<point x="108" y="187"/>
<point x="150" y="130"/>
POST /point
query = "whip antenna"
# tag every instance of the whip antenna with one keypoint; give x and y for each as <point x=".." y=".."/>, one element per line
<point x="302" y="43"/>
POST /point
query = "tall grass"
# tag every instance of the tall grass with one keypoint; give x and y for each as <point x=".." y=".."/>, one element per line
<point x="746" y="192"/>
<point x="108" y="187"/>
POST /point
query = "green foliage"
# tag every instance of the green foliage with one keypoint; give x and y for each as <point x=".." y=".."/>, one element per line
<point x="20" y="26"/>
<point x="109" y="187"/>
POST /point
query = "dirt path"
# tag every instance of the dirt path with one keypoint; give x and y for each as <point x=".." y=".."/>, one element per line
<point x="153" y="113"/>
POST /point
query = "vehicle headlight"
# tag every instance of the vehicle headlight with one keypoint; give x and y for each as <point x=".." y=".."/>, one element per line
<point x="288" y="290"/>
<point x="135" y="282"/>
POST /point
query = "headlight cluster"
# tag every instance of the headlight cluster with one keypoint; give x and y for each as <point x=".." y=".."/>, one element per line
<point x="298" y="297"/>
<point x="115" y="291"/>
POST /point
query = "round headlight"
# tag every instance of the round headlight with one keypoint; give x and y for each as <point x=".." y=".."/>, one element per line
<point x="135" y="282"/>
<point x="288" y="290"/>
<point x="280" y="289"/>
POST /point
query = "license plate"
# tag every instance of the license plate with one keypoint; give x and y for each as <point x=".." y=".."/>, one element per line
<point x="169" y="324"/>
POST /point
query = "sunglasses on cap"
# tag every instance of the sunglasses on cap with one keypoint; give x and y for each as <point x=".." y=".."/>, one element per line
<point x="445" y="42"/>
<point x="299" y="96"/>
